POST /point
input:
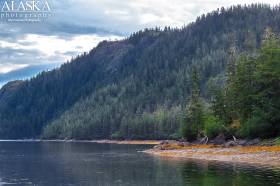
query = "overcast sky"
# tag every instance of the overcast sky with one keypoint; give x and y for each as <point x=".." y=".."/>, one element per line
<point x="79" y="25"/>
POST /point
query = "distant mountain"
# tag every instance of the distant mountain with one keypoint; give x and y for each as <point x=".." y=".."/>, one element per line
<point x="136" y="87"/>
<point x="24" y="73"/>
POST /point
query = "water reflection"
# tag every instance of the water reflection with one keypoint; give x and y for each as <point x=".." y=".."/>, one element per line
<point x="58" y="163"/>
<point x="203" y="173"/>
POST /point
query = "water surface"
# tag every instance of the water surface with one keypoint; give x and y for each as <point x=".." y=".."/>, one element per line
<point x="83" y="164"/>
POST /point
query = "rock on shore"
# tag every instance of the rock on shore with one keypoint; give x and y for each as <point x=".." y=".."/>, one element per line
<point x="240" y="151"/>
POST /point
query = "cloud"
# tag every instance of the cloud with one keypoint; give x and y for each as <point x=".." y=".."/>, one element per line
<point x="8" y="67"/>
<point x="127" y="16"/>
<point x="32" y="53"/>
<point x="33" y="49"/>
<point x="111" y="17"/>
<point x="56" y="46"/>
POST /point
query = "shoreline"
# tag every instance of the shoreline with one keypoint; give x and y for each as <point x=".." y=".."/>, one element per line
<point x="255" y="155"/>
<point x="128" y="142"/>
<point x="120" y="142"/>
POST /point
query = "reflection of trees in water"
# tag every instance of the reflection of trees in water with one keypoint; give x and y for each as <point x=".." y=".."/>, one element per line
<point x="84" y="162"/>
<point x="203" y="173"/>
<point x="107" y="164"/>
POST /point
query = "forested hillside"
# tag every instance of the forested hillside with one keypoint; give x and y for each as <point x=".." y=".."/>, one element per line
<point x="136" y="88"/>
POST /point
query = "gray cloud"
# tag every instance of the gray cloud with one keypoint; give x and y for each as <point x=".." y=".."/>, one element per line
<point x="22" y="56"/>
<point x="111" y="17"/>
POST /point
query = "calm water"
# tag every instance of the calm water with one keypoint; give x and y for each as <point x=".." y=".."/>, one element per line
<point x="60" y="163"/>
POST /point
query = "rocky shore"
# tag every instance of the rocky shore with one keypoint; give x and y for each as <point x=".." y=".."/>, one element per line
<point x="239" y="151"/>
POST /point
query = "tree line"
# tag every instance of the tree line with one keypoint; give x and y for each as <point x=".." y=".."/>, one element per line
<point x="248" y="105"/>
<point x="138" y="88"/>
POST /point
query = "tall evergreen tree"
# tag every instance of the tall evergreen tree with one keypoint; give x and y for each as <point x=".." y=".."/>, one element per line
<point x="230" y="93"/>
<point x="194" y="123"/>
<point x="268" y="83"/>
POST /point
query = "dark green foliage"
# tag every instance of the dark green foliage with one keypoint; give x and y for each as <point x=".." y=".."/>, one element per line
<point x="268" y="82"/>
<point x="254" y="96"/>
<point x="219" y="105"/>
<point x="134" y="88"/>
<point x="194" y="122"/>
<point x="187" y="131"/>
<point x="245" y="87"/>
<point x="277" y="141"/>
<point x="257" y="126"/>
<point x="213" y="126"/>
<point x="259" y="90"/>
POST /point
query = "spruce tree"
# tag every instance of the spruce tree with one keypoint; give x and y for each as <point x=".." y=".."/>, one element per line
<point x="194" y="120"/>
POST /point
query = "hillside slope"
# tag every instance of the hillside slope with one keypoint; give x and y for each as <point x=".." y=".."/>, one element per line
<point x="134" y="88"/>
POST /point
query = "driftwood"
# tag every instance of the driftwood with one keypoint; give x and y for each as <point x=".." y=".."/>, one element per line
<point x="234" y="138"/>
<point x="204" y="140"/>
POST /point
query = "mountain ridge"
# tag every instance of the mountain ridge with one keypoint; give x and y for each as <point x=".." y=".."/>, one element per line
<point x="120" y="89"/>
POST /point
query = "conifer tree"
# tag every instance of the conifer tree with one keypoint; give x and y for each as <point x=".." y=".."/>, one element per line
<point x="194" y="122"/>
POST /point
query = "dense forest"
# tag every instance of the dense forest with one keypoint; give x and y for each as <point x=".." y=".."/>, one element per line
<point x="248" y="105"/>
<point x="214" y="75"/>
